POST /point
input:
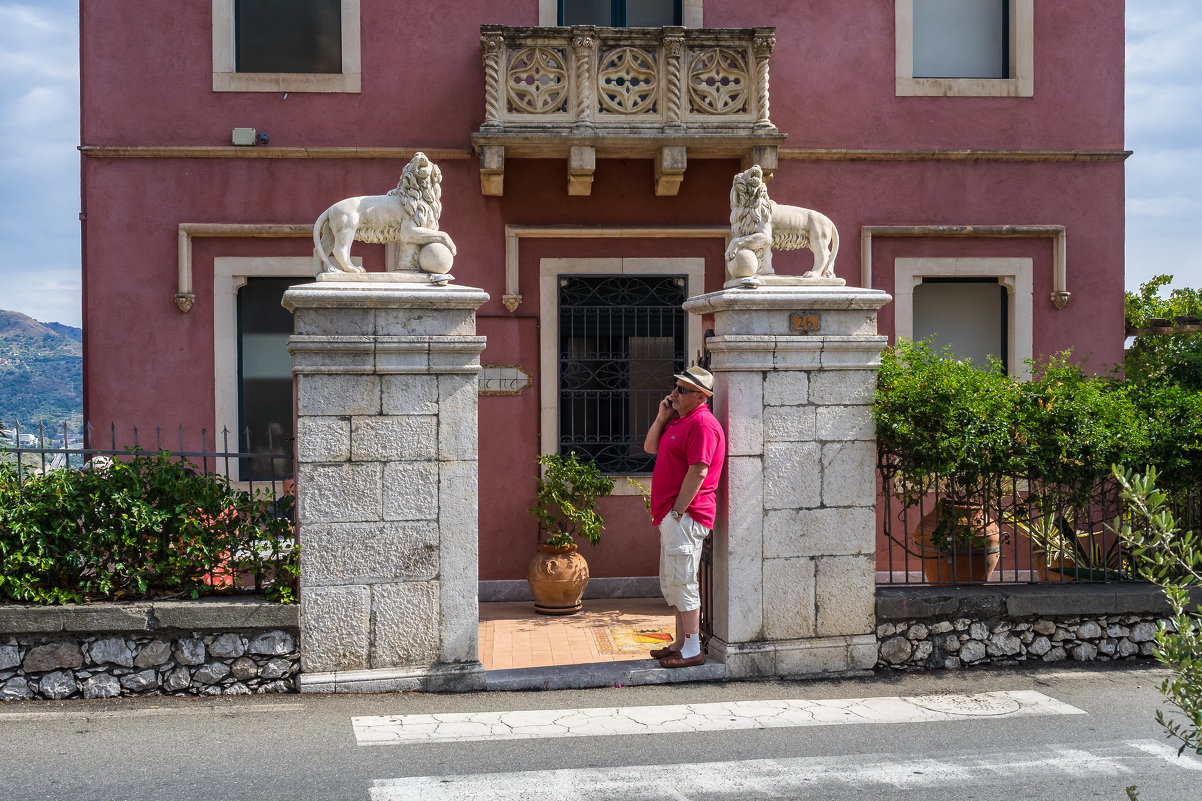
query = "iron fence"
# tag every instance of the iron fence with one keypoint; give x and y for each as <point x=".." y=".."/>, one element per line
<point x="43" y="448"/>
<point x="947" y="530"/>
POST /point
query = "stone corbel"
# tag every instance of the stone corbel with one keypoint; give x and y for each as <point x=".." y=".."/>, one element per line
<point x="670" y="163"/>
<point x="1060" y="293"/>
<point x="582" y="163"/>
<point x="492" y="170"/>
<point x="763" y="155"/>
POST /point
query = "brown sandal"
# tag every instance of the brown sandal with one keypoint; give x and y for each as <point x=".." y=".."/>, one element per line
<point x="660" y="653"/>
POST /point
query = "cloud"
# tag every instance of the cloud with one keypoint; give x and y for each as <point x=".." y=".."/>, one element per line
<point x="39" y="163"/>
<point x="1163" y="122"/>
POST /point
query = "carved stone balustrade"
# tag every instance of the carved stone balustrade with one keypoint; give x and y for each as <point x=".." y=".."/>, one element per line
<point x="584" y="93"/>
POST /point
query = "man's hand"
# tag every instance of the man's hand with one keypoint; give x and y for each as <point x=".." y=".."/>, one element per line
<point x="665" y="410"/>
<point x="662" y="416"/>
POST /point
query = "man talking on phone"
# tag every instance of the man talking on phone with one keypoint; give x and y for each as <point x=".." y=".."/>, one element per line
<point x="689" y="448"/>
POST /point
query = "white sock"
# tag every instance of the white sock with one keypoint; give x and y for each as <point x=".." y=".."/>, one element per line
<point x="691" y="647"/>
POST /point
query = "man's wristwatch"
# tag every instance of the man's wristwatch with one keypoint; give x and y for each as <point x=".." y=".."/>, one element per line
<point x="676" y="515"/>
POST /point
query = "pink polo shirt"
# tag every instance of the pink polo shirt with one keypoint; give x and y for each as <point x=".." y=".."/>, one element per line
<point x="695" y="438"/>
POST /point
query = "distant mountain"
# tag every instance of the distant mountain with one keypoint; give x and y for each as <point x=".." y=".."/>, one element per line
<point x="41" y="372"/>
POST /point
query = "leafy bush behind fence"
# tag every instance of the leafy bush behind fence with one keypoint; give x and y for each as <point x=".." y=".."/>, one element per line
<point x="141" y="526"/>
<point x="1036" y="455"/>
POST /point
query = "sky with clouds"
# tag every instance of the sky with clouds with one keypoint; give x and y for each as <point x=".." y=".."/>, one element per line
<point x="39" y="163"/>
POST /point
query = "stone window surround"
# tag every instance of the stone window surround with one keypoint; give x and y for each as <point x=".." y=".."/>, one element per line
<point x="230" y="274"/>
<point x="1021" y="82"/>
<point x="693" y="268"/>
<point x="690" y="13"/>
<point x="227" y="79"/>
<point x="1015" y="274"/>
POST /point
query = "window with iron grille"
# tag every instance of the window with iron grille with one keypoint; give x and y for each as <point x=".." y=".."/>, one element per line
<point x="621" y="339"/>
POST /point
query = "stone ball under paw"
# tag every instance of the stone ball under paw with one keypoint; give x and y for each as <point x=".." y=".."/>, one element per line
<point x="743" y="264"/>
<point x="435" y="258"/>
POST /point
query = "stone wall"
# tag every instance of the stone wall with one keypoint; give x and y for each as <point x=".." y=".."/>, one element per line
<point x="210" y="647"/>
<point x="930" y="628"/>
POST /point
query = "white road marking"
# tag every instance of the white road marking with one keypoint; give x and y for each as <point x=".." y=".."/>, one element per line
<point x="787" y="778"/>
<point x="468" y="726"/>
<point x="154" y="711"/>
<point x="1169" y="754"/>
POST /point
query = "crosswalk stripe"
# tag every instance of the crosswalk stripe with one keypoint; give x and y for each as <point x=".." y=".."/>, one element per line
<point x="723" y="716"/>
<point x="791" y="778"/>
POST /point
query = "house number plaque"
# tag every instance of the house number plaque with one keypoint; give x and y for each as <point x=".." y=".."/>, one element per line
<point x="805" y="323"/>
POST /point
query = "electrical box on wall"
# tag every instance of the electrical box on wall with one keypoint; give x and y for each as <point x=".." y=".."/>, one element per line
<point x="244" y="137"/>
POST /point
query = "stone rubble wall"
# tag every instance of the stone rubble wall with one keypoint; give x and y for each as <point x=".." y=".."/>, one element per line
<point x="213" y="646"/>
<point x="963" y="642"/>
<point x="934" y="628"/>
<point x="187" y="663"/>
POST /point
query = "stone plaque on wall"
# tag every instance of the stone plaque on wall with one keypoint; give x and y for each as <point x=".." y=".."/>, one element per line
<point x="504" y="379"/>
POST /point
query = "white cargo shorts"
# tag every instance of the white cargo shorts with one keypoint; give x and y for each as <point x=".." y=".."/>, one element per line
<point x="679" y="557"/>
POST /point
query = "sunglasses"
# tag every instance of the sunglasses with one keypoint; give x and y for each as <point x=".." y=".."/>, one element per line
<point x="682" y="390"/>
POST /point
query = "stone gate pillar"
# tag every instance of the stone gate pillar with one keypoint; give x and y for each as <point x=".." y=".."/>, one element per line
<point x="794" y="545"/>
<point x="386" y="445"/>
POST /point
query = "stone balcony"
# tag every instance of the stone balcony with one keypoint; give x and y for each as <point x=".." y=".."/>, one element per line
<point x="584" y="93"/>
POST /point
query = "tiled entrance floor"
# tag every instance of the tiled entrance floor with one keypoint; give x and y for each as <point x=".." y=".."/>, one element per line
<point x="513" y="635"/>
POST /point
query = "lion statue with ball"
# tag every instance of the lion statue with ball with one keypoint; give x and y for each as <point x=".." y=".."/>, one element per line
<point x="757" y="225"/>
<point x="408" y="216"/>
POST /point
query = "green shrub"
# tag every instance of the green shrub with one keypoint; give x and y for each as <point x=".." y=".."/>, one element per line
<point x="942" y="417"/>
<point x="1172" y="559"/>
<point x="1164" y="359"/>
<point x="143" y="526"/>
<point x="936" y="416"/>
<point x="566" y="500"/>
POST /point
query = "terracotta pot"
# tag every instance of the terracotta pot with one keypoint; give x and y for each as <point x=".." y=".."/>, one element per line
<point x="1054" y="567"/>
<point x="963" y="564"/>
<point x="557" y="577"/>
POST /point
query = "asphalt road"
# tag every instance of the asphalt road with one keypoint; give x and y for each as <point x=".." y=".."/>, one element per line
<point x="305" y="747"/>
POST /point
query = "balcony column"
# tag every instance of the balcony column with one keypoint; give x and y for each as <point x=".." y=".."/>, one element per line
<point x="492" y="47"/>
<point x="762" y="45"/>
<point x="584" y="51"/>
<point x="673" y="71"/>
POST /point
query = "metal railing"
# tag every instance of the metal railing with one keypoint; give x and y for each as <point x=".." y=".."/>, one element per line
<point x="946" y="530"/>
<point x="43" y="448"/>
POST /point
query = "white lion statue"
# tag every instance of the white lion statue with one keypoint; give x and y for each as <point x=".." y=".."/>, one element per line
<point x="408" y="216"/>
<point x="757" y="225"/>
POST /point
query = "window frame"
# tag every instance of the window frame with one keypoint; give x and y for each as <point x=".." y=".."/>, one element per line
<point x="226" y="78"/>
<point x="550" y="269"/>
<point x="691" y="13"/>
<point x="1016" y="275"/>
<point x="1021" y="82"/>
<point x="229" y="275"/>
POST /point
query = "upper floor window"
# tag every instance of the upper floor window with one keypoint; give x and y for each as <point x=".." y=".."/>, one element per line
<point x="620" y="13"/>
<point x="288" y="35"/>
<point x="286" y="46"/>
<point x="965" y="47"/>
<point x="961" y="38"/>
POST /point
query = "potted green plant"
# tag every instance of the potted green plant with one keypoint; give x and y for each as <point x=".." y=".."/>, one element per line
<point x="956" y="544"/>
<point x="566" y="508"/>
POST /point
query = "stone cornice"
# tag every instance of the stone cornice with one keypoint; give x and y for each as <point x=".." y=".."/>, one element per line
<point x="795" y="154"/>
<point x="891" y="154"/>
<point x="267" y="152"/>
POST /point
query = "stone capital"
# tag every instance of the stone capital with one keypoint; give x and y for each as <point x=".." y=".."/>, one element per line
<point x="366" y="293"/>
<point x="771" y="297"/>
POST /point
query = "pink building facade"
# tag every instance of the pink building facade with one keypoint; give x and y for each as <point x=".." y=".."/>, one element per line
<point x="986" y="195"/>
